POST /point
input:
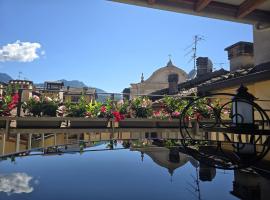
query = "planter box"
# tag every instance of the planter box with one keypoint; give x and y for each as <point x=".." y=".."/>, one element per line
<point x="88" y="123"/>
<point x="3" y="123"/>
<point x="39" y="122"/>
<point x="138" y="123"/>
<point x="173" y="123"/>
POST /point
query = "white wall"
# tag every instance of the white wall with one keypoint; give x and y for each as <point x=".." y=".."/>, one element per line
<point x="261" y="45"/>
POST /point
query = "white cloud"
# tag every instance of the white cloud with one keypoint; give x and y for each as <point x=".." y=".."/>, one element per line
<point x="19" y="51"/>
<point x="15" y="183"/>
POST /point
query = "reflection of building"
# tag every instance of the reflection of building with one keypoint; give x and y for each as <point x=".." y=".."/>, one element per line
<point x="161" y="156"/>
<point x="74" y="94"/>
<point x="165" y="77"/>
<point x="250" y="186"/>
<point x="206" y="172"/>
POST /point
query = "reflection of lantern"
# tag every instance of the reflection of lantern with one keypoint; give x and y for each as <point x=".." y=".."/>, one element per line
<point x="242" y="111"/>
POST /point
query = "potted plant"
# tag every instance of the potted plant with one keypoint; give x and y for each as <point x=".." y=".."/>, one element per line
<point x="165" y="119"/>
<point x="89" y="115"/>
<point x="169" y="117"/>
<point x="139" y="111"/>
<point x="40" y="112"/>
<point x="7" y="104"/>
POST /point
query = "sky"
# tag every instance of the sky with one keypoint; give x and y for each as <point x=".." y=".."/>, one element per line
<point x="104" y="44"/>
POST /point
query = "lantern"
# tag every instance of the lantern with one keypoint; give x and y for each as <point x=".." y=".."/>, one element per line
<point x="242" y="108"/>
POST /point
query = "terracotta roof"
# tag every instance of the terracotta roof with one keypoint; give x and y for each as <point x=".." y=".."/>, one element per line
<point x="194" y="82"/>
<point x="12" y="81"/>
<point x="78" y="91"/>
<point x="257" y="73"/>
<point x="238" y="43"/>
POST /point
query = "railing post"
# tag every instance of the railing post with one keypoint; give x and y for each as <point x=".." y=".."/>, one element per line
<point x="30" y="141"/>
<point x="18" y="142"/>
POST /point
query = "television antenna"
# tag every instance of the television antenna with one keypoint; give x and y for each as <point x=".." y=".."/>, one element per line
<point x="19" y="75"/>
<point x="192" y="49"/>
<point x="219" y="65"/>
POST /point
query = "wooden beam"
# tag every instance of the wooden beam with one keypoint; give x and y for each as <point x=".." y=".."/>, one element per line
<point x="215" y="9"/>
<point x="248" y="6"/>
<point x="201" y="4"/>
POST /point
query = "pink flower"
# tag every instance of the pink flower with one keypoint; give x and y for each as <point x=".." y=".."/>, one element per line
<point x="48" y="99"/>
<point x="176" y="114"/>
<point x="103" y="109"/>
<point x="36" y="98"/>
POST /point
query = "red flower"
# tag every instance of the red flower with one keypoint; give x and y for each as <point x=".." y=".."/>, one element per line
<point x="198" y="116"/>
<point x="117" y="116"/>
<point x="14" y="102"/>
<point x="103" y="109"/>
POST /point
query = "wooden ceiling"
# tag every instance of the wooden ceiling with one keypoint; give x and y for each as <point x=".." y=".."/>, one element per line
<point x="244" y="11"/>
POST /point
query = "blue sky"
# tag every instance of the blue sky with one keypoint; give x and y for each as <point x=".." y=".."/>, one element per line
<point x="106" y="44"/>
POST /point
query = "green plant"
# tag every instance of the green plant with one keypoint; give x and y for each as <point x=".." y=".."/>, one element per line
<point x="49" y="107"/>
<point x="6" y="105"/>
<point x="122" y="107"/>
<point x="141" y="107"/>
<point x="93" y="109"/>
<point x="78" y="109"/>
<point x="171" y="143"/>
<point x="175" y="106"/>
<point x="33" y="106"/>
<point x="41" y="106"/>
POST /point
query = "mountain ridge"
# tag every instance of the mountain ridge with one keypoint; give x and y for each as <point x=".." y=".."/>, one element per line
<point x="4" y="77"/>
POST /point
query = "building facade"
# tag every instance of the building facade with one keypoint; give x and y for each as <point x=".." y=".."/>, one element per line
<point x="73" y="95"/>
<point x="166" y="77"/>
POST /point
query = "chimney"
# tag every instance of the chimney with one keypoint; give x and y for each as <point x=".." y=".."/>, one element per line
<point x="240" y="55"/>
<point x="173" y="83"/>
<point x="204" y="66"/>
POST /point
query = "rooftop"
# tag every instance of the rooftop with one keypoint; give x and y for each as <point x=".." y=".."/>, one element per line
<point x="244" y="11"/>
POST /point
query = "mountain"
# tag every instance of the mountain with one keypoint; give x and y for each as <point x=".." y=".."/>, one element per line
<point x="5" y="77"/>
<point x="73" y="83"/>
<point x="80" y="84"/>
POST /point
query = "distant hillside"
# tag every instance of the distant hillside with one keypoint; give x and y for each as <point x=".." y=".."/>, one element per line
<point x="80" y="84"/>
<point x="5" y="77"/>
<point x="73" y="83"/>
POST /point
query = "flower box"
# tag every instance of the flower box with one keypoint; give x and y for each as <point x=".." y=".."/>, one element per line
<point x="169" y="123"/>
<point x="89" y="123"/>
<point x="39" y="122"/>
<point x="138" y="123"/>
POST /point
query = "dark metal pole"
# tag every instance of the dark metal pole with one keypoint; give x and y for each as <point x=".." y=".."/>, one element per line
<point x="20" y="91"/>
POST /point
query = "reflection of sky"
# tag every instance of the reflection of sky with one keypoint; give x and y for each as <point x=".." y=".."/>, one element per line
<point x="15" y="183"/>
<point x="113" y="175"/>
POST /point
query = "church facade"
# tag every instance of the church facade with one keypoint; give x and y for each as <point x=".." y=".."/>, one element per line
<point x="166" y="77"/>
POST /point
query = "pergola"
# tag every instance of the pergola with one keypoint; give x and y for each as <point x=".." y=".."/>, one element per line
<point x="254" y="12"/>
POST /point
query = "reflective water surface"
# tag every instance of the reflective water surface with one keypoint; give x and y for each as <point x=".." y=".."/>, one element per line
<point x="122" y="165"/>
